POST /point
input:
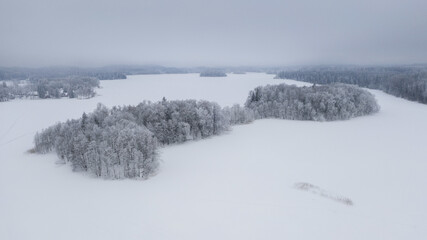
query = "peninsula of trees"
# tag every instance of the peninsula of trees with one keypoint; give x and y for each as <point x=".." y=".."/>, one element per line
<point x="409" y="82"/>
<point x="317" y="103"/>
<point x="123" y="142"/>
<point x="71" y="87"/>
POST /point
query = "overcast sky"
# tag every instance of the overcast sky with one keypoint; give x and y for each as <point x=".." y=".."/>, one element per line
<point x="212" y="33"/>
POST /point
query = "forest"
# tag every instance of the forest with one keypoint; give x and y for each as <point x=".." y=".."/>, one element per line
<point x="409" y="82"/>
<point x="122" y="142"/>
<point x="318" y="103"/>
<point x="71" y="87"/>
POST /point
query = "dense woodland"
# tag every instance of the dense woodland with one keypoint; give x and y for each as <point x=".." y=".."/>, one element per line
<point x="409" y="82"/>
<point x="71" y="87"/>
<point x="318" y="103"/>
<point x="122" y="142"/>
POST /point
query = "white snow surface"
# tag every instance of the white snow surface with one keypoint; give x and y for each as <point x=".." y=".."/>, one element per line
<point x="239" y="185"/>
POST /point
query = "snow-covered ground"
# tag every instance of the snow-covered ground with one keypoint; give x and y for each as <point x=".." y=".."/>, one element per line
<point x="245" y="184"/>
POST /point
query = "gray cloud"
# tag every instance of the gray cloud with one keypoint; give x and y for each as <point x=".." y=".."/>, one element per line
<point x="221" y="32"/>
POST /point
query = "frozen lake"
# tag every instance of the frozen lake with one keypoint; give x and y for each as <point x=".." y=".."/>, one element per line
<point x="239" y="185"/>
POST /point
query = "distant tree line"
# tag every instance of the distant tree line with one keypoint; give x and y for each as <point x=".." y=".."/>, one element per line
<point x="71" y="87"/>
<point x="213" y="73"/>
<point x="104" y="73"/>
<point x="409" y="82"/>
<point x="318" y="103"/>
<point x="122" y="142"/>
<point x="116" y="71"/>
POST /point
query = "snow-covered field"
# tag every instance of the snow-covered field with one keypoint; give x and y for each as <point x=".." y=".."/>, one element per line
<point x="245" y="184"/>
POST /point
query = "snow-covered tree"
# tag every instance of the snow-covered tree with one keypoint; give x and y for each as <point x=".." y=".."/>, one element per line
<point x="318" y="103"/>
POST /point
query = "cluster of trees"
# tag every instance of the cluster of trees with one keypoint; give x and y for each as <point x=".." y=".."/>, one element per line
<point x="409" y="82"/>
<point x="213" y="73"/>
<point x="237" y="115"/>
<point x="122" y="142"/>
<point x="318" y="103"/>
<point x="411" y="86"/>
<point x="16" y="90"/>
<point x="179" y="121"/>
<point x="4" y="94"/>
<point x="103" y="143"/>
<point x="72" y="87"/>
